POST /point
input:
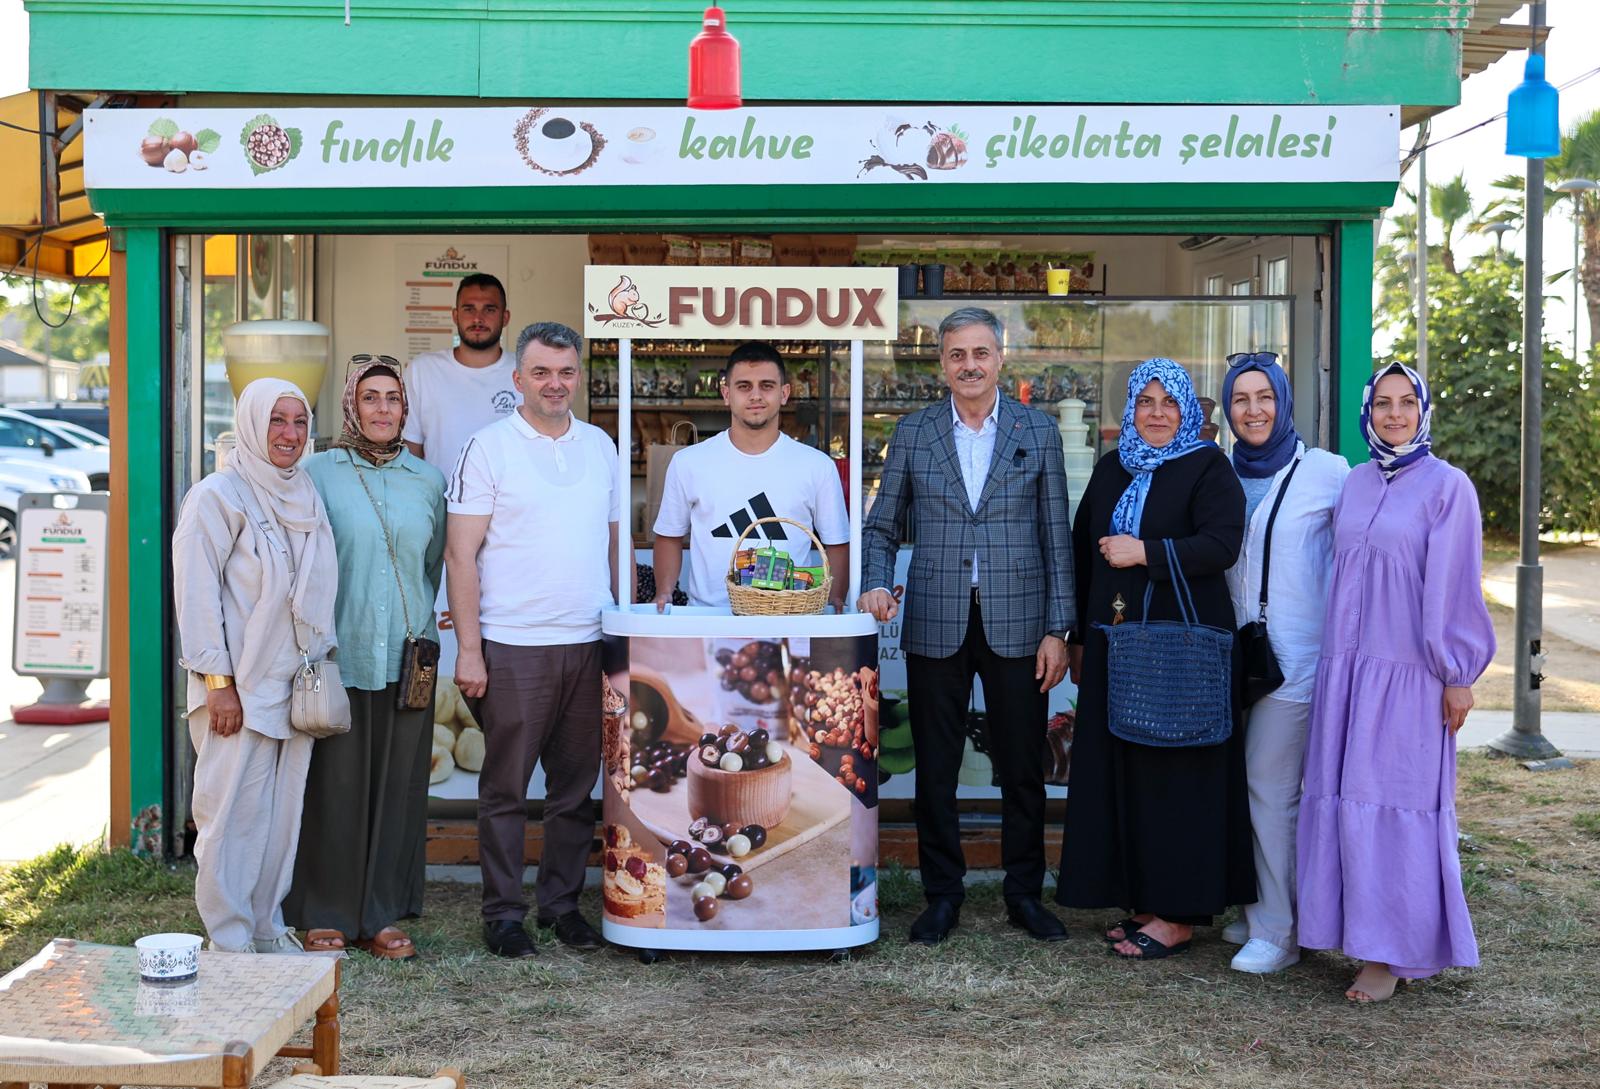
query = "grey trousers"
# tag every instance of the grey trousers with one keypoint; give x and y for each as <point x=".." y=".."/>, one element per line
<point x="364" y="831"/>
<point x="248" y="790"/>
<point x="542" y="708"/>
<point x="1274" y="750"/>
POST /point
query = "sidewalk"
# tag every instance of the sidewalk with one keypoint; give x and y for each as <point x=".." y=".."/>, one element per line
<point x="55" y="781"/>
<point x="1571" y="593"/>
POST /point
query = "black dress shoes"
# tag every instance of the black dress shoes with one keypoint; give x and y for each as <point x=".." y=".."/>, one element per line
<point x="506" y="938"/>
<point x="935" y="923"/>
<point x="1031" y="915"/>
<point x="572" y="930"/>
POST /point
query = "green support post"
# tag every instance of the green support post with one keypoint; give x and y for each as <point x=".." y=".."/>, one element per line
<point x="1352" y="347"/>
<point x="148" y="609"/>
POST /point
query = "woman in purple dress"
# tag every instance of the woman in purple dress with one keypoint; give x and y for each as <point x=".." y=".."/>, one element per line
<point x="1406" y="635"/>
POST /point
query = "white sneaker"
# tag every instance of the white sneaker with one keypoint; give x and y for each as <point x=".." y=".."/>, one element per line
<point x="213" y="947"/>
<point x="1260" y="957"/>
<point x="1236" y="932"/>
<point x="283" y="943"/>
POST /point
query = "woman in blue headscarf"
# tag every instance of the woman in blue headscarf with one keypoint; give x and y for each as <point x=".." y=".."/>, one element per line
<point x="1161" y="833"/>
<point x="1292" y="490"/>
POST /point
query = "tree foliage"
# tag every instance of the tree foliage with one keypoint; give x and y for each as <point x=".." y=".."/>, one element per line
<point x="75" y="327"/>
<point x="1475" y="373"/>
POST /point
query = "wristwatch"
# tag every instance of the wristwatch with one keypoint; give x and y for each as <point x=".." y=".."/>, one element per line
<point x="215" y="681"/>
<point x="1061" y="635"/>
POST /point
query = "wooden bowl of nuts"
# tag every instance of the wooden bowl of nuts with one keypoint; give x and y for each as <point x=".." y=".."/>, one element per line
<point x="740" y="778"/>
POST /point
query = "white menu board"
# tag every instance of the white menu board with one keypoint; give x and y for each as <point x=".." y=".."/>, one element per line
<point x="60" y="618"/>
<point x="426" y="279"/>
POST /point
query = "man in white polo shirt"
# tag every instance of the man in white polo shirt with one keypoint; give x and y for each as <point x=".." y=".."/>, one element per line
<point x="716" y="489"/>
<point x="531" y="552"/>
<point x="453" y="393"/>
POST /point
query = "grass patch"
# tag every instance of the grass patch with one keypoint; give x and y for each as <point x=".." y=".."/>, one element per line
<point x="988" y="1008"/>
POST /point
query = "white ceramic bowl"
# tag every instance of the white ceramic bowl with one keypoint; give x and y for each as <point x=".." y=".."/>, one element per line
<point x="166" y="958"/>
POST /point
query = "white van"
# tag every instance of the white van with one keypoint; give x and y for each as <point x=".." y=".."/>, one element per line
<point x="18" y="476"/>
<point x="22" y="437"/>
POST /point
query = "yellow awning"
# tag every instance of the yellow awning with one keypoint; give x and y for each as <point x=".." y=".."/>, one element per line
<point x="74" y="247"/>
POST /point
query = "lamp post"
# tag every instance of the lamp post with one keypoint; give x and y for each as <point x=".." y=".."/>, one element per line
<point x="1499" y="231"/>
<point x="1533" y="132"/>
<point x="1576" y="187"/>
<point x="1422" y="262"/>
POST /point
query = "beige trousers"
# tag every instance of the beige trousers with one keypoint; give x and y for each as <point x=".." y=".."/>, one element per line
<point x="1274" y="750"/>
<point x="248" y="791"/>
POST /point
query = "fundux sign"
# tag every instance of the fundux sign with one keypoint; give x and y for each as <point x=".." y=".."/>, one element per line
<point x="659" y="302"/>
<point x="577" y="145"/>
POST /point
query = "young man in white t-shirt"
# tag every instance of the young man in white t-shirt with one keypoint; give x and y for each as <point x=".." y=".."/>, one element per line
<point x="716" y="489"/>
<point x="534" y="503"/>
<point x="454" y="393"/>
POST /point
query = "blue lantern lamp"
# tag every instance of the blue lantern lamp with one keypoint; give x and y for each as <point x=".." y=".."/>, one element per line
<point x="1533" y="128"/>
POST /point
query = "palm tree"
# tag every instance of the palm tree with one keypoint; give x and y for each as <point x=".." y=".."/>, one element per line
<point x="1450" y="204"/>
<point x="1580" y="158"/>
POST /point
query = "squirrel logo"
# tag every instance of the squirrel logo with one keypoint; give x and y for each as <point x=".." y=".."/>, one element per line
<point x="624" y="303"/>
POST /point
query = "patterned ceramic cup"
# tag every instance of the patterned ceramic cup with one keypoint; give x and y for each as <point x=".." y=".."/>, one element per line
<point x="165" y="958"/>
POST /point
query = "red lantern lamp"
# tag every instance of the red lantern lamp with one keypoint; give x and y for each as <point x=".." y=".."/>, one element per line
<point x="714" y="65"/>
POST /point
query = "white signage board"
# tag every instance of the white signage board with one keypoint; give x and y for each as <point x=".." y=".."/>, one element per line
<point x="425" y="289"/>
<point x="60" y="619"/>
<point x="891" y="144"/>
<point x="643" y="302"/>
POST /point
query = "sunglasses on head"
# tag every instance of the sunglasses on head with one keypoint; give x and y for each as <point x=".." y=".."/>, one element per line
<point x="362" y="359"/>
<point x="1245" y="359"/>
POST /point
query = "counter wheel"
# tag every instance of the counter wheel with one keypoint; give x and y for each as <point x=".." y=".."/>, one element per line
<point x="649" y="956"/>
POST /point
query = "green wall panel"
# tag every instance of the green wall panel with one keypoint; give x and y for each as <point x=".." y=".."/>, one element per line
<point x="1082" y="51"/>
<point x="976" y="207"/>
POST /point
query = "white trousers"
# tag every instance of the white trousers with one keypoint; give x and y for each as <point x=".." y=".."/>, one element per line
<point x="248" y="793"/>
<point x="1274" y="751"/>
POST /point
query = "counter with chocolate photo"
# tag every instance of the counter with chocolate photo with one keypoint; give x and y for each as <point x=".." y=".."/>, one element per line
<point x="751" y="767"/>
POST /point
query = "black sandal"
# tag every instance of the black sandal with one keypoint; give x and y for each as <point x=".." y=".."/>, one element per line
<point x="1152" y="949"/>
<point x="1130" y="926"/>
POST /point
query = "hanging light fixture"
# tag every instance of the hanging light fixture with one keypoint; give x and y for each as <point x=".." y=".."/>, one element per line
<point x="1533" y="128"/>
<point x="714" y="65"/>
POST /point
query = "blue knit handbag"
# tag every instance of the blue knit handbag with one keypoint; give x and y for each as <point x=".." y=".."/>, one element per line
<point x="1170" y="682"/>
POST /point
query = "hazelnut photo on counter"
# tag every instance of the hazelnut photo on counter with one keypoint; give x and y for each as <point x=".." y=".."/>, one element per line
<point x="834" y="712"/>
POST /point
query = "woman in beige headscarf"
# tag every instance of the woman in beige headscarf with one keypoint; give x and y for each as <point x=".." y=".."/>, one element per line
<point x="252" y="554"/>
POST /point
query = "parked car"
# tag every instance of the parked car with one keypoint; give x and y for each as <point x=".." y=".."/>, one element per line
<point x="94" y="415"/>
<point x="26" y="438"/>
<point x="19" y="476"/>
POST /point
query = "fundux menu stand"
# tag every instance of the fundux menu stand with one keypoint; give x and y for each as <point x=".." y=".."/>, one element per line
<point x="741" y="776"/>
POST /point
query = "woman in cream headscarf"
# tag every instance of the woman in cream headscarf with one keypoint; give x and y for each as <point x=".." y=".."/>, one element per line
<point x="252" y="554"/>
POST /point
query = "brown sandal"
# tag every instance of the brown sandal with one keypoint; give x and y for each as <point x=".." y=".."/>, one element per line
<point x="390" y="943"/>
<point x="321" y="940"/>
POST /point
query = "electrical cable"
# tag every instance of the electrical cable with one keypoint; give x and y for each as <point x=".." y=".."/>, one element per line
<point x="1574" y="81"/>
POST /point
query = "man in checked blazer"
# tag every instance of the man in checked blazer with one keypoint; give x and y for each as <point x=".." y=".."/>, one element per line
<point x="978" y="484"/>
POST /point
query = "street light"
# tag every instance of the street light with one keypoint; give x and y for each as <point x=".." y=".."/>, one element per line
<point x="1499" y="231"/>
<point x="1532" y="131"/>
<point x="1576" y="187"/>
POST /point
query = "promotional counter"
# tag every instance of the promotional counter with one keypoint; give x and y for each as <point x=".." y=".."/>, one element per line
<point x="740" y="769"/>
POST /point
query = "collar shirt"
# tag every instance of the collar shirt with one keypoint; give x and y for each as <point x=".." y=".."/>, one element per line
<point x="544" y="568"/>
<point x="375" y="601"/>
<point x="974" y="450"/>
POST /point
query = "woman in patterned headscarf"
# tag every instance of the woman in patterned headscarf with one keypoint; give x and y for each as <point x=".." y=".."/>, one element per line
<point x="1406" y="636"/>
<point x="1162" y="833"/>
<point x="360" y="863"/>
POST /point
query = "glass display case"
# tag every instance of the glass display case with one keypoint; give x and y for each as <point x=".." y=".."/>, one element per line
<point x="1057" y="349"/>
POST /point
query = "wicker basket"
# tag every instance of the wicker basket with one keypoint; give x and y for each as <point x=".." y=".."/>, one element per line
<point x="748" y="601"/>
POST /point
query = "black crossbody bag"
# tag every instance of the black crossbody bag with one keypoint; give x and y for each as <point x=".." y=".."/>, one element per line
<point x="1262" y="674"/>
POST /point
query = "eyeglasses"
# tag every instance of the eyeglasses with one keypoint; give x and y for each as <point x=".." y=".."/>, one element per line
<point x="1245" y="359"/>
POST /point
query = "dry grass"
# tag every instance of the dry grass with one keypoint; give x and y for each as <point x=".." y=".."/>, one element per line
<point x="989" y="1008"/>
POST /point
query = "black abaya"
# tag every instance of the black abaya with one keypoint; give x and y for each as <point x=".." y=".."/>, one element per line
<point x="1165" y="831"/>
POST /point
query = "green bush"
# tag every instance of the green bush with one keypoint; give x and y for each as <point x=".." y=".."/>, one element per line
<point x="1475" y="373"/>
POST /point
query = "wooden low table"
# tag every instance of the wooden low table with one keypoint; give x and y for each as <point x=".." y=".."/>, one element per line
<point x="77" y="1014"/>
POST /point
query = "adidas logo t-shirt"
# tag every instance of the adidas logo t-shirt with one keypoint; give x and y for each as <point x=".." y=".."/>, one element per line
<point x="714" y="491"/>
